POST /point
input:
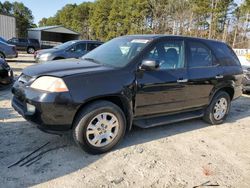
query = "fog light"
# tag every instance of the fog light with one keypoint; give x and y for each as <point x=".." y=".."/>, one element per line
<point x="31" y="108"/>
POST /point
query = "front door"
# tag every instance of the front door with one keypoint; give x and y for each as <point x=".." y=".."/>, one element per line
<point x="163" y="90"/>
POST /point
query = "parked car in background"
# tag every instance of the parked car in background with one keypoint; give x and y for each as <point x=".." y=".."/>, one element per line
<point x="7" y="50"/>
<point x="3" y="40"/>
<point x="28" y="45"/>
<point x="246" y="79"/>
<point x="142" y="80"/>
<point x="6" y="74"/>
<point x="71" y="49"/>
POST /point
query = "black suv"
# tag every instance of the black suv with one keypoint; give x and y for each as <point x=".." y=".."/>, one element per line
<point x="143" y="80"/>
<point x="29" y="45"/>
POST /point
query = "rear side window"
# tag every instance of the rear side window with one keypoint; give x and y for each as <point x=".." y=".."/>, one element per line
<point x="22" y="40"/>
<point x="199" y="55"/>
<point x="34" y="41"/>
<point x="81" y="47"/>
<point x="225" y="55"/>
<point x="92" y="46"/>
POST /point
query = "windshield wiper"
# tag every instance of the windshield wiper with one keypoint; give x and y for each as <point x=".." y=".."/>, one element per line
<point x="92" y="60"/>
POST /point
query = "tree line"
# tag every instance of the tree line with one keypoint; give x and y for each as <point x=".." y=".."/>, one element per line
<point x="23" y="15"/>
<point x="223" y="20"/>
<point x="105" y="19"/>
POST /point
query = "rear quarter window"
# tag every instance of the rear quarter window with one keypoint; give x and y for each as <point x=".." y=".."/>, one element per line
<point x="224" y="54"/>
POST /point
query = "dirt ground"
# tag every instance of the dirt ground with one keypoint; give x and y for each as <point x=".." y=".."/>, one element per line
<point x="186" y="154"/>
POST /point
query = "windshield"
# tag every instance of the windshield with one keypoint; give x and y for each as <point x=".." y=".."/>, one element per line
<point x="117" y="52"/>
<point x="3" y="40"/>
<point x="64" y="45"/>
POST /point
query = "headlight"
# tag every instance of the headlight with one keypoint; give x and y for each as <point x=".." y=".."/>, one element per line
<point x="50" y="84"/>
<point x="44" y="57"/>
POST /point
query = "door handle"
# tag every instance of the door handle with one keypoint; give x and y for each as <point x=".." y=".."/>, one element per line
<point x="182" y="80"/>
<point x="219" y="76"/>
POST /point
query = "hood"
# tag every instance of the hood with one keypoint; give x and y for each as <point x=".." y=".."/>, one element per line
<point x="7" y="44"/>
<point x="51" y="50"/>
<point x="61" y="68"/>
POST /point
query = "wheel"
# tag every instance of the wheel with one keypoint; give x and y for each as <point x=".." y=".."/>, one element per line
<point x="2" y="55"/>
<point x="31" y="50"/>
<point x="218" y="109"/>
<point x="99" y="127"/>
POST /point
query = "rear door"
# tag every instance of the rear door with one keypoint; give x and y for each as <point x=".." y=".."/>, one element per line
<point x="163" y="90"/>
<point x="23" y="44"/>
<point x="92" y="46"/>
<point x="203" y="73"/>
<point x="80" y="49"/>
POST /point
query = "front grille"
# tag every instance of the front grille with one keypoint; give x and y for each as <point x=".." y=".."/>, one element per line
<point x="18" y="102"/>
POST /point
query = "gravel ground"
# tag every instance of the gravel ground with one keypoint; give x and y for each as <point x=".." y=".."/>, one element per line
<point x="184" y="154"/>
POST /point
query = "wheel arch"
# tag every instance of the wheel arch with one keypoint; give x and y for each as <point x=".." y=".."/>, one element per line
<point x="31" y="47"/>
<point x="120" y="101"/>
<point x="58" y="58"/>
<point x="228" y="89"/>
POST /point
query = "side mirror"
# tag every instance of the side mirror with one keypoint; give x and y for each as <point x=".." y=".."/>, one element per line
<point x="149" y="65"/>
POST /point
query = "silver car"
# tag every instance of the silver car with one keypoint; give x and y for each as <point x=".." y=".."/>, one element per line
<point x="71" y="49"/>
<point x="7" y="50"/>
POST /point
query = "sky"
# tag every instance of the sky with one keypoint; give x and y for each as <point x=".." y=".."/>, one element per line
<point x="47" y="8"/>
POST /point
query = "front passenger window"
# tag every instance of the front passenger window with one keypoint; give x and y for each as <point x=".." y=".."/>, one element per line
<point x="169" y="54"/>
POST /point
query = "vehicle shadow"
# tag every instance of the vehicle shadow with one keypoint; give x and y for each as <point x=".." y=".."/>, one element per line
<point x="20" y="138"/>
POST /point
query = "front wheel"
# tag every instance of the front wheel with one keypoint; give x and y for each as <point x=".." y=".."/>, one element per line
<point x="218" y="109"/>
<point x="99" y="127"/>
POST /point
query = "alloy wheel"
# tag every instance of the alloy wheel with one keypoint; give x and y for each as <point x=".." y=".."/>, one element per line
<point x="220" y="109"/>
<point x="102" y="129"/>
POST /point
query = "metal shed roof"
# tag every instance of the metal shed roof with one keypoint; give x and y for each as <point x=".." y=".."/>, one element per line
<point x="55" y="29"/>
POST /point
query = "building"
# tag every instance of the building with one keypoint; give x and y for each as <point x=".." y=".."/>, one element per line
<point x="52" y="35"/>
<point x="7" y="26"/>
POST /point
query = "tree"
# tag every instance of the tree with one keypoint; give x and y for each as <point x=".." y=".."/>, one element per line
<point x="106" y="19"/>
<point x="23" y="15"/>
<point x="99" y="19"/>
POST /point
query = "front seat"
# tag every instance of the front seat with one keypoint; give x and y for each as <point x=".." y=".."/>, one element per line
<point x="171" y="59"/>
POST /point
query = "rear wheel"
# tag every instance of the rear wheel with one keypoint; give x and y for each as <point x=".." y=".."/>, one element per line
<point x="31" y="50"/>
<point x="99" y="127"/>
<point x="218" y="109"/>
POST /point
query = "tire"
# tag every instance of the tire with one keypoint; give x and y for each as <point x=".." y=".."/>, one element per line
<point x="31" y="50"/>
<point x="86" y="122"/>
<point x="2" y="55"/>
<point x="219" y="99"/>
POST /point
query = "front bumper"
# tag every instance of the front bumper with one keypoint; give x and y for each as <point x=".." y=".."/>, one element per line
<point x="53" y="111"/>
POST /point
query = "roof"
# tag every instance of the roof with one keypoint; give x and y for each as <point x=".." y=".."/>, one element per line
<point x="54" y="29"/>
<point x="3" y="14"/>
<point x="156" y="36"/>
